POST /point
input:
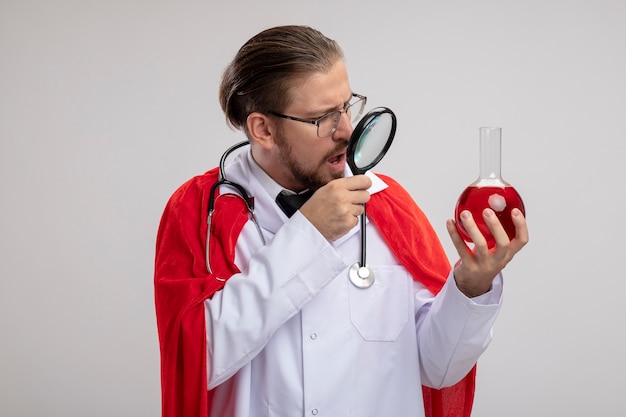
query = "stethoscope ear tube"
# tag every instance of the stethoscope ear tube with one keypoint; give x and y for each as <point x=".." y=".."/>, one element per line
<point x="228" y="152"/>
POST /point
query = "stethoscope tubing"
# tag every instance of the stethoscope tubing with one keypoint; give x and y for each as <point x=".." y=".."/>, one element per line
<point x="240" y="193"/>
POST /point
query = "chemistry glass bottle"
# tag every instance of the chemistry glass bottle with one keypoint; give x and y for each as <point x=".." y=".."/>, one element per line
<point x="489" y="190"/>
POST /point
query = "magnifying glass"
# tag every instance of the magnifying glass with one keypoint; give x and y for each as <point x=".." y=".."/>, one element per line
<point x="368" y="143"/>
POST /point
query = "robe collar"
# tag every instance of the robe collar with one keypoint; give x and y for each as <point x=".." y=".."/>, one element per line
<point x="244" y="170"/>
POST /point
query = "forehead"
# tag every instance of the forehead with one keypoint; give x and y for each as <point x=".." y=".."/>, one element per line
<point x="321" y="90"/>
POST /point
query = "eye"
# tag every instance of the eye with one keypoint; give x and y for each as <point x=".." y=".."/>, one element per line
<point x="330" y="117"/>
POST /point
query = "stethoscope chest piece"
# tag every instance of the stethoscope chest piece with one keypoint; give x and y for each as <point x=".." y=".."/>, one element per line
<point x="361" y="276"/>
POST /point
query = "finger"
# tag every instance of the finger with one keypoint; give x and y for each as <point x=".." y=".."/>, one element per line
<point x="358" y="182"/>
<point x="497" y="231"/>
<point x="360" y="197"/>
<point x="461" y="247"/>
<point x="521" y="230"/>
<point x="353" y="198"/>
<point x="480" y="243"/>
<point x="357" y="209"/>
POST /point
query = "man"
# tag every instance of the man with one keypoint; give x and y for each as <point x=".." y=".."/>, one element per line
<point x="268" y="323"/>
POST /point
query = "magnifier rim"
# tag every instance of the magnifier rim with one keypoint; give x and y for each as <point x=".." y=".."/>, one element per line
<point x="358" y="131"/>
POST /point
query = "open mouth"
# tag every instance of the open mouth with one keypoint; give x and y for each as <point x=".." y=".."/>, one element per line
<point x="337" y="159"/>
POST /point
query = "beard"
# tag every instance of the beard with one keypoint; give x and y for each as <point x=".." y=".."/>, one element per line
<point x="309" y="178"/>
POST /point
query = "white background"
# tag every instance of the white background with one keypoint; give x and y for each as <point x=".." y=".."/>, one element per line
<point x="107" y="106"/>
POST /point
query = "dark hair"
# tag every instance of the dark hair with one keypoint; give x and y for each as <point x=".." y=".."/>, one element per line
<point x="260" y="75"/>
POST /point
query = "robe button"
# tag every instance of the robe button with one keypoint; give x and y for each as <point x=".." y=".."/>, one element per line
<point x="313" y="336"/>
<point x="314" y="411"/>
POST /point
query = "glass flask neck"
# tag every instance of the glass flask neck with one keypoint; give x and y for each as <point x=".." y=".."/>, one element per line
<point x="490" y="156"/>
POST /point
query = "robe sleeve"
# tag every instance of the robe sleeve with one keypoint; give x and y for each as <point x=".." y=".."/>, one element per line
<point x="411" y="238"/>
<point x="182" y="284"/>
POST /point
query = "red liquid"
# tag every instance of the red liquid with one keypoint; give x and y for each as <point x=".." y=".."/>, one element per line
<point x="500" y="199"/>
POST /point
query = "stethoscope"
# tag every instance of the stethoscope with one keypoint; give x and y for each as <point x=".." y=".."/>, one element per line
<point x="240" y="192"/>
<point x="368" y="143"/>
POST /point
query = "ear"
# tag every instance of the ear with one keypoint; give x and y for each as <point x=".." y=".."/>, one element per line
<point x="262" y="129"/>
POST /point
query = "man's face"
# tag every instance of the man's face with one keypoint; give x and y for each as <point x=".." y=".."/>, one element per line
<point x="303" y="159"/>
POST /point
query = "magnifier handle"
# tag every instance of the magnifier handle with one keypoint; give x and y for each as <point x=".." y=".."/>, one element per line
<point x="363" y="238"/>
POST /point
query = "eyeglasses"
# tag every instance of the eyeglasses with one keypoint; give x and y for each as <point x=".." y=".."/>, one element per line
<point x="327" y="124"/>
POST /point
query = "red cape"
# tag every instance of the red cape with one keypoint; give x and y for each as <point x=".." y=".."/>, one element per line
<point x="182" y="284"/>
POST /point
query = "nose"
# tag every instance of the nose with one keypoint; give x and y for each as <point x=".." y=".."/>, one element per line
<point x="344" y="128"/>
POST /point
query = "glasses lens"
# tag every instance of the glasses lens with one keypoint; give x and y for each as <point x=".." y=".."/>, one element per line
<point x="356" y="109"/>
<point x="328" y="124"/>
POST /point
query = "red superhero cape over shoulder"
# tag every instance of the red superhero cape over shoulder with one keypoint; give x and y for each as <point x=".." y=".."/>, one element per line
<point x="182" y="284"/>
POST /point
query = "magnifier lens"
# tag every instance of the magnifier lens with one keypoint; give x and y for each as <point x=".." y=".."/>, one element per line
<point x="373" y="140"/>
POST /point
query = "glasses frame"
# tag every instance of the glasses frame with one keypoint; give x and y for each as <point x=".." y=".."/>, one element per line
<point x="361" y="99"/>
